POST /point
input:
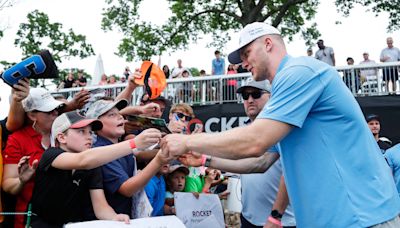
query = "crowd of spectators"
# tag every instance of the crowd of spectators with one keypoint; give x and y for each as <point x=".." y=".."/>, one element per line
<point x="63" y="165"/>
<point x="362" y="80"/>
<point x="365" y="80"/>
<point x="357" y="80"/>
<point x="59" y="166"/>
<point x="72" y="81"/>
<point x="58" y="163"/>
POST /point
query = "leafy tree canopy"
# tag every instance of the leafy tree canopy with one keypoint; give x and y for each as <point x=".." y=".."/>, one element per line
<point x="191" y="19"/>
<point x="392" y="7"/>
<point x="39" y="33"/>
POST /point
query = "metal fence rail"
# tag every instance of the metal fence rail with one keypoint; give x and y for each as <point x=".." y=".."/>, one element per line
<point x="371" y="79"/>
<point x="362" y="80"/>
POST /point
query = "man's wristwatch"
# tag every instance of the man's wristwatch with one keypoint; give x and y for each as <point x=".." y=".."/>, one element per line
<point x="208" y="161"/>
<point x="276" y="215"/>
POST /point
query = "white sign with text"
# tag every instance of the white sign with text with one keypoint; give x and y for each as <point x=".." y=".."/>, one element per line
<point x="192" y="211"/>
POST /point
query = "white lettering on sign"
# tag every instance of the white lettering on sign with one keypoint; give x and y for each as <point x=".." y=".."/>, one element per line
<point x="201" y="213"/>
<point x="223" y="123"/>
<point x="227" y="125"/>
<point x="209" y="122"/>
<point x="242" y="120"/>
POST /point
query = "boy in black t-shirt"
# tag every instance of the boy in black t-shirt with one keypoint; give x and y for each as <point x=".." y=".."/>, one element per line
<point x="67" y="179"/>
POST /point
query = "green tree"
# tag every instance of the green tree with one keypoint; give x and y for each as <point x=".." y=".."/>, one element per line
<point x="39" y="33"/>
<point x="194" y="71"/>
<point x="392" y="7"/>
<point x="6" y="64"/>
<point x="192" y="19"/>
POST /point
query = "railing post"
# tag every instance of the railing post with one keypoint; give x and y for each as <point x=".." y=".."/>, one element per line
<point x="203" y="91"/>
<point x="353" y="82"/>
<point x="221" y="95"/>
<point x="379" y="81"/>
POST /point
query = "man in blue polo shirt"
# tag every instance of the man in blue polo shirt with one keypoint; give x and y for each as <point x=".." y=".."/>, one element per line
<point x="392" y="156"/>
<point x="334" y="171"/>
<point x="218" y="64"/>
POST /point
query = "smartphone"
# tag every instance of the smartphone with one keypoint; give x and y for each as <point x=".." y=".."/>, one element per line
<point x="198" y="126"/>
<point x="149" y="122"/>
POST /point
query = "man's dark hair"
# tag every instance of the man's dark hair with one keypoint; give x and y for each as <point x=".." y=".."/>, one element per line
<point x="349" y="58"/>
<point x="216" y="52"/>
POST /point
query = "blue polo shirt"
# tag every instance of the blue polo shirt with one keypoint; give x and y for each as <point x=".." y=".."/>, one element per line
<point x="155" y="191"/>
<point x="115" y="174"/>
<point x="335" y="173"/>
<point x="393" y="158"/>
<point x="218" y="65"/>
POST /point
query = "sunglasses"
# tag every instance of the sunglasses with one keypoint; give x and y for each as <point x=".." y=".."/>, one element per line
<point x="255" y="95"/>
<point x="181" y="116"/>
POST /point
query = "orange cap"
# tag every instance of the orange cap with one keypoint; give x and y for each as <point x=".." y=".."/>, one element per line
<point x="153" y="79"/>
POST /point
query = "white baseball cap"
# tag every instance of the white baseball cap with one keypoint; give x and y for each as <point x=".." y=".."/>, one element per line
<point x="41" y="100"/>
<point x="248" y="34"/>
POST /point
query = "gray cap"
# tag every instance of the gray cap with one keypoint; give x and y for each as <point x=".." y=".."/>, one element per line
<point x="72" y="120"/>
<point x="262" y="85"/>
<point x="100" y="107"/>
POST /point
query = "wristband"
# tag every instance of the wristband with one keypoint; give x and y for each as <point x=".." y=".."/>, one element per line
<point x="275" y="221"/>
<point x="132" y="144"/>
<point x="203" y="159"/>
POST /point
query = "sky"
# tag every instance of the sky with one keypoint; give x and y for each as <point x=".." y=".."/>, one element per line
<point x="360" y="32"/>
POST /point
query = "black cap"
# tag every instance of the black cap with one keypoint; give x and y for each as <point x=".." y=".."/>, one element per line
<point x="159" y="98"/>
<point x="370" y="117"/>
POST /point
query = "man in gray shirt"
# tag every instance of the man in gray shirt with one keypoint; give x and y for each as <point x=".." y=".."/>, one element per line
<point x="390" y="54"/>
<point x="325" y="54"/>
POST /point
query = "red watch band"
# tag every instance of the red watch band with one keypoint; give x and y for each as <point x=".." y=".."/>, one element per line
<point x="275" y="221"/>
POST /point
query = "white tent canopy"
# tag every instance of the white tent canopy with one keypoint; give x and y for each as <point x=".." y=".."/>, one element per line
<point x="98" y="70"/>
